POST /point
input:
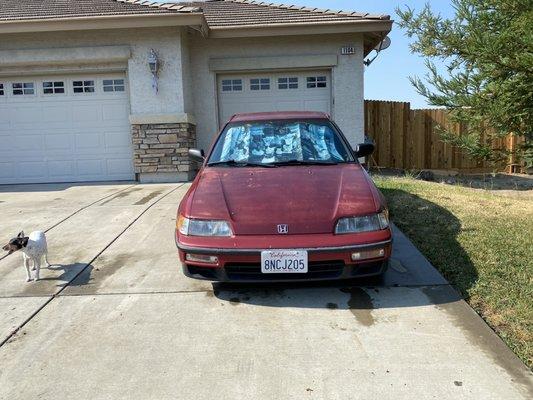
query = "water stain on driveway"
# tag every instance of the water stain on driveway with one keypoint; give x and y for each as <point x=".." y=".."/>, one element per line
<point x="92" y="279"/>
<point x="121" y="195"/>
<point x="148" y="197"/>
<point x="360" y="304"/>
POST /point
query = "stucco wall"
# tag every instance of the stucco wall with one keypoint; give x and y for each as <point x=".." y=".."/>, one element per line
<point x="143" y="100"/>
<point x="348" y="95"/>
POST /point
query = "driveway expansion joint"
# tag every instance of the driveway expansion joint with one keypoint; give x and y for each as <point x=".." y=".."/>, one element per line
<point x="159" y="292"/>
<point x="136" y="293"/>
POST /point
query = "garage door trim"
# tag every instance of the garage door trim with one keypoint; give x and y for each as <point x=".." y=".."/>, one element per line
<point x="261" y="64"/>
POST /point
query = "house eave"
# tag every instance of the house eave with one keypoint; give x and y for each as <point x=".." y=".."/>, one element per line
<point x="302" y="28"/>
<point x="102" y="22"/>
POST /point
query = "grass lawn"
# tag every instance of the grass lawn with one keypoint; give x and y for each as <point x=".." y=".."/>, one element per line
<point x="481" y="241"/>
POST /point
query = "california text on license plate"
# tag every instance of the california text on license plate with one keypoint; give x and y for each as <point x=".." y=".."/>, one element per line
<point x="284" y="262"/>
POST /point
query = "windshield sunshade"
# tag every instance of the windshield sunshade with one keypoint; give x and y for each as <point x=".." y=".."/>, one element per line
<point x="272" y="142"/>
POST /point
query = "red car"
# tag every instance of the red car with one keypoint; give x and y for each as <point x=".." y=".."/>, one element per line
<point x="282" y="196"/>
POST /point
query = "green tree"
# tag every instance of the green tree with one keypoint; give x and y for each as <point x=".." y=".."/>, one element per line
<point x="484" y="75"/>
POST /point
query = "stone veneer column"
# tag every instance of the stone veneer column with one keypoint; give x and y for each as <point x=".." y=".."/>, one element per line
<point x="160" y="152"/>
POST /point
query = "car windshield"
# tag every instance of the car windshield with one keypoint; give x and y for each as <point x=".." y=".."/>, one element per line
<point x="271" y="143"/>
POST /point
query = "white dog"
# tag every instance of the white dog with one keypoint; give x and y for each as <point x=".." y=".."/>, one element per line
<point x="33" y="248"/>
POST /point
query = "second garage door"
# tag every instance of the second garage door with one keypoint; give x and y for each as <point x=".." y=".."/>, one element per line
<point x="280" y="91"/>
<point x="64" y="129"/>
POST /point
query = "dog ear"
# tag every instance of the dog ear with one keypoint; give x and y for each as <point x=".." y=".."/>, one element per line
<point x="21" y="234"/>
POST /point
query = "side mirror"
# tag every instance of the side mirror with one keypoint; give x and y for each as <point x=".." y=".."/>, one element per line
<point x="197" y="155"/>
<point x="364" y="149"/>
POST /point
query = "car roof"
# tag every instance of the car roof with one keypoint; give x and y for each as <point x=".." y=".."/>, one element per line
<point x="264" y="116"/>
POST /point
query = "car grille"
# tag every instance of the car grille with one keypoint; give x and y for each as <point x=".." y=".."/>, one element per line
<point x="316" y="270"/>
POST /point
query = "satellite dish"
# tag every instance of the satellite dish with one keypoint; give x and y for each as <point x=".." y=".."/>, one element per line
<point x="384" y="44"/>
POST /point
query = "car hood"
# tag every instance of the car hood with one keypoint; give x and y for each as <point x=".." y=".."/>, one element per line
<point x="309" y="199"/>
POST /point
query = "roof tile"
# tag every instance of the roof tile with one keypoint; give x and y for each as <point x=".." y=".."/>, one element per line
<point x="46" y="9"/>
<point x="225" y="13"/>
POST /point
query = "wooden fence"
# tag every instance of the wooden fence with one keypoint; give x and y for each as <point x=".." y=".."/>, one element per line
<point x="408" y="139"/>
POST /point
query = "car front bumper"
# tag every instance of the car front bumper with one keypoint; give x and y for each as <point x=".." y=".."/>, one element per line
<point x="324" y="263"/>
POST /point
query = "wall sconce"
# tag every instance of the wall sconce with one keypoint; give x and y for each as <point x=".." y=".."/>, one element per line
<point x="153" y="64"/>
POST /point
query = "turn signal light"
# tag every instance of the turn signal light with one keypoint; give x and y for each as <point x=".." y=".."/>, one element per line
<point x="368" y="254"/>
<point x="202" y="258"/>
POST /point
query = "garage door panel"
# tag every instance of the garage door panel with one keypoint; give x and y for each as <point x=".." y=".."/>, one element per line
<point x="7" y="170"/>
<point x="86" y="113"/>
<point x="23" y="116"/>
<point x="28" y="143"/>
<point x="115" y="112"/>
<point x="90" y="167"/>
<point x="58" y="114"/>
<point x="88" y="142"/>
<point x="115" y="141"/>
<point x="315" y="105"/>
<point x="65" y="137"/>
<point x="257" y="106"/>
<point x="58" y="169"/>
<point x="288" y="105"/>
<point x="31" y="169"/>
<point x="57" y="142"/>
<point x="5" y="126"/>
<point x="8" y="145"/>
<point x="118" y="167"/>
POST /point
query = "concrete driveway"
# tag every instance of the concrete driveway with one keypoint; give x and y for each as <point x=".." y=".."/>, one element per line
<point x="114" y="318"/>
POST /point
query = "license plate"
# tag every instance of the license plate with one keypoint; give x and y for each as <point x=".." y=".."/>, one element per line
<point x="284" y="262"/>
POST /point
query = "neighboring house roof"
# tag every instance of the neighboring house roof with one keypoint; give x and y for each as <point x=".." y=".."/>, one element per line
<point x="13" y="10"/>
<point x="232" y="13"/>
<point x="218" y="13"/>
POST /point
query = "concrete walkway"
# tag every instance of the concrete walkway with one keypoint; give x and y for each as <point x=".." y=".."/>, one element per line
<point x="114" y="318"/>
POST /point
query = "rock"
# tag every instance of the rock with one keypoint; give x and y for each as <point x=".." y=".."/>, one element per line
<point x="168" y="138"/>
<point x="426" y="176"/>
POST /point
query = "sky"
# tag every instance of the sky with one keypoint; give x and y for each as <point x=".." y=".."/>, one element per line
<point x="387" y="77"/>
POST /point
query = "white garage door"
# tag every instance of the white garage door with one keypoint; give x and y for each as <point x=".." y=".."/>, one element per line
<point x="280" y="91"/>
<point x="64" y="129"/>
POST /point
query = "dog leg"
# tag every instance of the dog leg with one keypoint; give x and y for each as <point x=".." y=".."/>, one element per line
<point x="46" y="259"/>
<point x="27" y="266"/>
<point x="37" y="263"/>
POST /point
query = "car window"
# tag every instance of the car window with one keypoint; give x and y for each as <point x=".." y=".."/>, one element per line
<point x="270" y="142"/>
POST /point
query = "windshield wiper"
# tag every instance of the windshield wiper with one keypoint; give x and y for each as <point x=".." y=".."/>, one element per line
<point x="235" y="163"/>
<point x="303" y="162"/>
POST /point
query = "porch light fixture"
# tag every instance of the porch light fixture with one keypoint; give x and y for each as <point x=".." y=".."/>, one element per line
<point x="153" y="64"/>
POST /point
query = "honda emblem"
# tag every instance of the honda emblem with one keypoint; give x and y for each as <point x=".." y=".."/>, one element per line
<point x="283" y="229"/>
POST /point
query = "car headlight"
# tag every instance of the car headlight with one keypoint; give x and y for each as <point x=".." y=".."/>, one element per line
<point x="203" y="227"/>
<point x="367" y="223"/>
